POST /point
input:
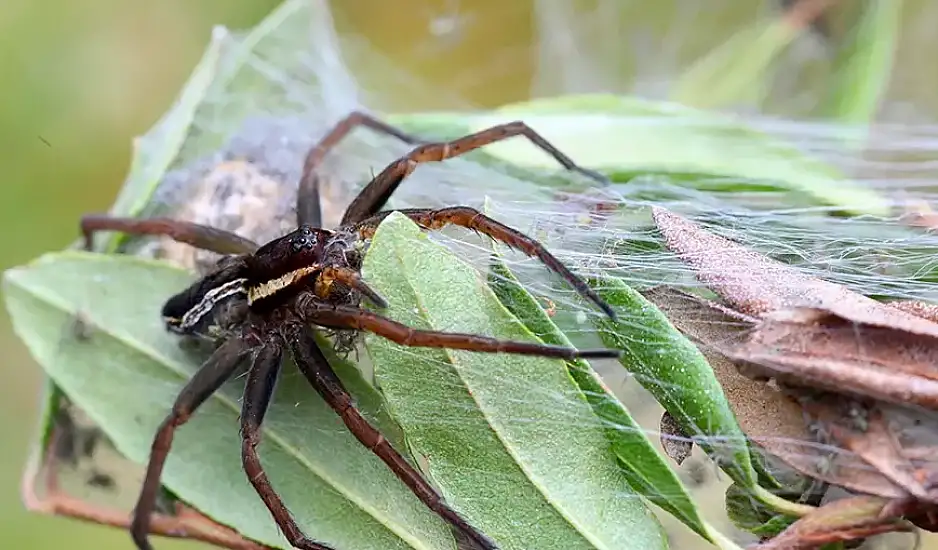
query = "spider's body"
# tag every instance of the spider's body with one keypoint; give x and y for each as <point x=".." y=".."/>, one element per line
<point x="262" y="302"/>
<point x="266" y="287"/>
<point x="294" y="263"/>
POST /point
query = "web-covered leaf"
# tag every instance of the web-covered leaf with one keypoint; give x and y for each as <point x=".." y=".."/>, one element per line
<point x="644" y="468"/>
<point x="126" y="378"/>
<point x="493" y="430"/>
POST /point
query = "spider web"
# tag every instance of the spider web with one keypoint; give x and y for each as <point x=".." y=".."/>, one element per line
<point x="292" y="96"/>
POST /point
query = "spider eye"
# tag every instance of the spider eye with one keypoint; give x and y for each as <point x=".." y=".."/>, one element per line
<point x="307" y="241"/>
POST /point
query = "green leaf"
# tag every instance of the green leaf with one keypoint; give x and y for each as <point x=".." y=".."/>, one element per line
<point x="625" y="136"/>
<point x="510" y="440"/>
<point x="862" y="70"/>
<point x="748" y="514"/>
<point x="127" y="376"/>
<point x="735" y="72"/>
<point x="645" y="468"/>
<point x="669" y="366"/>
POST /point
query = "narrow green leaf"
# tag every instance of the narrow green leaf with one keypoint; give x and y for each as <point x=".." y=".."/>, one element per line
<point x="735" y="72"/>
<point x="127" y="376"/>
<point x="863" y="67"/>
<point x="645" y="468"/>
<point x="625" y="136"/>
<point x="669" y="366"/>
<point x="510" y="440"/>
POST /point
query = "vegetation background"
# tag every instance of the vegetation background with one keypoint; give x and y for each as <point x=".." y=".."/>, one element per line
<point x="81" y="79"/>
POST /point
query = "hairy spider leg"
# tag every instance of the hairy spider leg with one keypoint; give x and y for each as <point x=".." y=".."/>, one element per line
<point x="347" y="317"/>
<point x="470" y="218"/>
<point x="314" y="366"/>
<point x="375" y="195"/>
<point x="258" y="390"/>
<point x="209" y="378"/>
<point x="308" y="209"/>
<point x="199" y="236"/>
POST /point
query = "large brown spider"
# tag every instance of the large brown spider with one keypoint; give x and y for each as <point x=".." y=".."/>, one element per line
<point x="266" y="300"/>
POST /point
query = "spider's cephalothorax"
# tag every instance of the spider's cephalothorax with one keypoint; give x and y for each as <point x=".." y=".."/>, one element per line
<point x="307" y="260"/>
<point x="262" y="302"/>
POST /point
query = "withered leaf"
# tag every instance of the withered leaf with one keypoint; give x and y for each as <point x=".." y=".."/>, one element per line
<point x="832" y="465"/>
<point x="843" y="520"/>
<point x="865" y="433"/>
<point x="812" y="332"/>
<point x="835" y="354"/>
<point x="756" y="285"/>
<point x="924" y="310"/>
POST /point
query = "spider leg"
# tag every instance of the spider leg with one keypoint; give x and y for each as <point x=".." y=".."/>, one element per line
<point x="376" y="194"/>
<point x="314" y="366"/>
<point x="258" y="390"/>
<point x="210" y="376"/>
<point x="308" y="209"/>
<point x="347" y="317"/>
<point x="199" y="236"/>
<point x="470" y="218"/>
<point x="353" y="279"/>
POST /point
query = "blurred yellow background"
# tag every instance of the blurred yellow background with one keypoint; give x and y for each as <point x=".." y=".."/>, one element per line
<point x="80" y="79"/>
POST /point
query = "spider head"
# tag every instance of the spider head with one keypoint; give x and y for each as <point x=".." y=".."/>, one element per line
<point x="285" y="263"/>
<point x="198" y="306"/>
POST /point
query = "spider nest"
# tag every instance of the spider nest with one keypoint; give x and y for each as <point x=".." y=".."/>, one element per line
<point x="260" y="303"/>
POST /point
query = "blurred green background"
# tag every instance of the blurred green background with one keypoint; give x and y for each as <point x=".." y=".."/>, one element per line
<point x="81" y="79"/>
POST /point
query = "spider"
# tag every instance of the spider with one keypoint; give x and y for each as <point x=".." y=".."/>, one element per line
<point x="266" y="300"/>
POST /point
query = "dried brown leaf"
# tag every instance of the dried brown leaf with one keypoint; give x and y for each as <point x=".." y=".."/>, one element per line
<point x="924" y="310"/>
<point x="830" y="464"/>
<point x="843" y="520"/>
<point x="867" y="361"/>
<point x="862" y="429"/>
<point x="756" y="285"/>
<point x="810" y="335"/>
